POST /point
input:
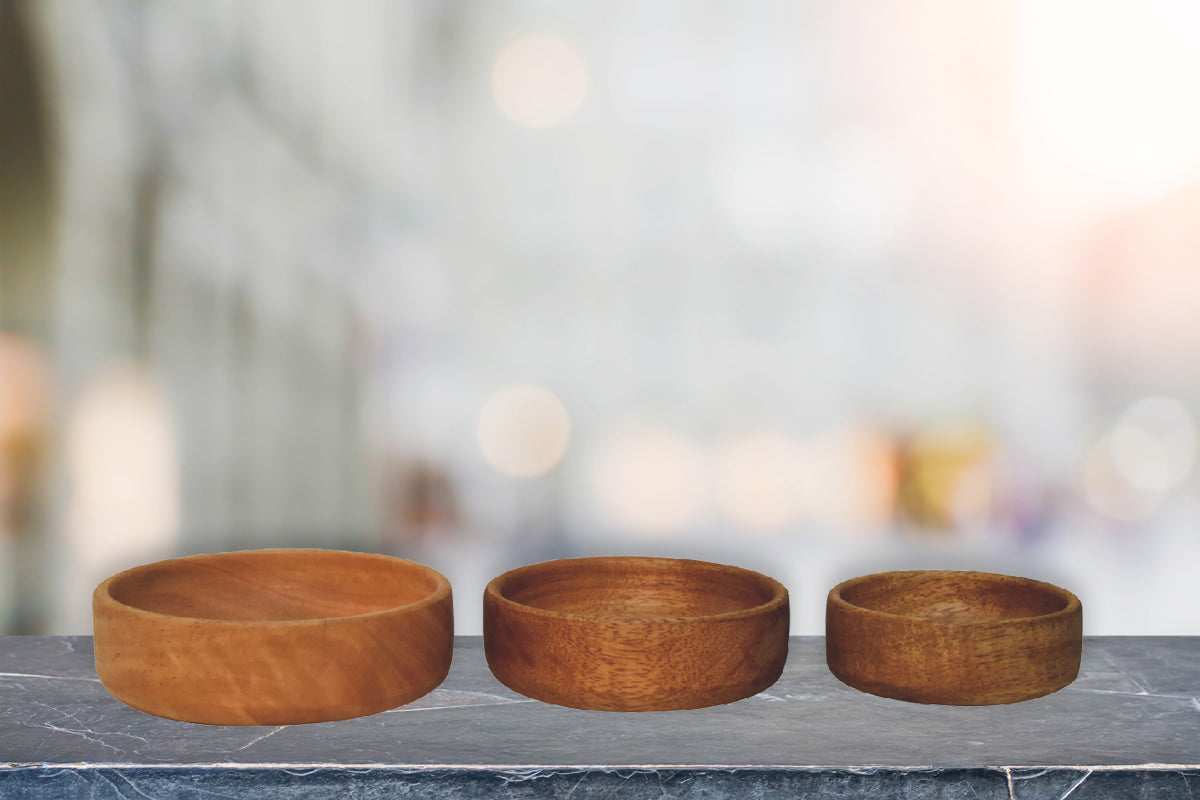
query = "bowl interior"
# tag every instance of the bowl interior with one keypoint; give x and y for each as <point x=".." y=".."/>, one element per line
<point x="955" y="596"/>
<point x="630" y="588"/>
<point x="268" y="585"/>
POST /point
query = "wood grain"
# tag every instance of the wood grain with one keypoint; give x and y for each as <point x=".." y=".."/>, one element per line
<point x="635" y="634"/>
<point x="273" y="637"/>
<point x="955" y="638"/>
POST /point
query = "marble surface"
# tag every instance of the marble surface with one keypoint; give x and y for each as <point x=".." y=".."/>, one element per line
<point x="1128" y="727"/>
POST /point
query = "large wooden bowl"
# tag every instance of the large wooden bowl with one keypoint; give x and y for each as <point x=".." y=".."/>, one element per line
<point x="273" y="637"/>
<point x="956" y="638"/>
<point x="635" y="634"/>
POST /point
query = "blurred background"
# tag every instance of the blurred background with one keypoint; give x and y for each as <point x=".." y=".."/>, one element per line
<point x="819" y="289"/>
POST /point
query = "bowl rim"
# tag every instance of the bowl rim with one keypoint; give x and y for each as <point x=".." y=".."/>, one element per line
<point x="1072" y="607"/>
<point x="103" y="592"/>
<point x="779" y="593"/>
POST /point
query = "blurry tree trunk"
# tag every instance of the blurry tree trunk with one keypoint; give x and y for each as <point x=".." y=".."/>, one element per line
<point x="26" y="284"/>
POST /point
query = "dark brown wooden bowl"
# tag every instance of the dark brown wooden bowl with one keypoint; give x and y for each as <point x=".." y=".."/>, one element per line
<point x="635" y="634"/>
<point x="273" y="637"/>
<point x="956" y="638"/>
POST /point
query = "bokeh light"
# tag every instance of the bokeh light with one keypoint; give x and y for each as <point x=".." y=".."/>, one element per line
<point x="855" y="489"/>
<point x="1154" y="443"/>
<point x="651" y="480"/>
<point x="24" y="386"/>
<point x="523" y="431"/>
<point x="123" y="470"/>
<point x="539" y="81"/>
<point x="767" y="192"/>
<point x="24" y="434"/>
<point x="946" y="476"/>
<point x="868" y="203"/>
<point x="799" y="245"/>
<point x="762" y="481"/>
<point x="1148" y="452"/>
<point x="1107" y="489"/>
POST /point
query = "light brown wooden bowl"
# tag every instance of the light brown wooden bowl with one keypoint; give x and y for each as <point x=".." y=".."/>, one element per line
<point x="273" y="637"/>
<point x="956" y="638"/>
<point x="635" y="634"/>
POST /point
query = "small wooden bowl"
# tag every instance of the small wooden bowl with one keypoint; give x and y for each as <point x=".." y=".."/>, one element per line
<point x="635" y="634"/>
<point x="273" y="637"/>
<point x="956" y="638"/>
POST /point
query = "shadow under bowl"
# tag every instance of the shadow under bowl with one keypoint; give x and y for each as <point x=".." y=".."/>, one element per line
<point x="273" y="637"/>
<point x="954" y="638"/>
<point x="635" y="634"/>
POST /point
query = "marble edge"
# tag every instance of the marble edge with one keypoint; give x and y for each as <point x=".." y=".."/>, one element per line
<point x="533" y="769"/>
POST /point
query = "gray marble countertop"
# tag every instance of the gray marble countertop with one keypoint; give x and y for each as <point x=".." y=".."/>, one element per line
<point x="1130" y="725"/>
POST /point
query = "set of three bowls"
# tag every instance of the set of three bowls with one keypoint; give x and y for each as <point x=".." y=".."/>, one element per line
<point x="279" y="637"/>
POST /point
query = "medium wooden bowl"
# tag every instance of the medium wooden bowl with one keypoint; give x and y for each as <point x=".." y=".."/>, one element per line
<point x="273" y="637"/>
<point x="635" y="634"/>
<point x="956" y="638"/>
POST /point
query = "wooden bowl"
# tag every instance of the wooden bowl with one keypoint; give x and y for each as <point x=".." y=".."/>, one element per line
<point x="957" y="638"/>
<point x="273" y="637"/>
<point x="635" y="634"/>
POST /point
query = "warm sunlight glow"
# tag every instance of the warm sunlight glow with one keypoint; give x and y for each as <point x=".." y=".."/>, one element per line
<point x="1109" y="90"/>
